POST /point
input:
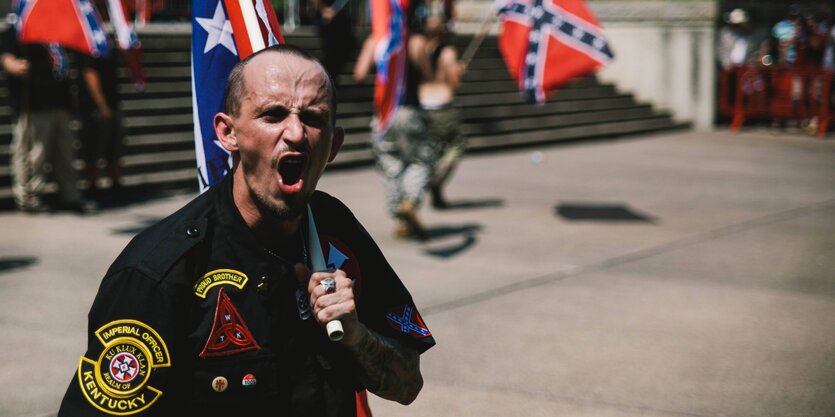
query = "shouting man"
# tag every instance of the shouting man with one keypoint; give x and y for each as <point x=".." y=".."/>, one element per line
<point x="214" y="311"/>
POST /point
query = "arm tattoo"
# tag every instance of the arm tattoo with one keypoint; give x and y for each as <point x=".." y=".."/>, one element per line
<point x="390" y="370"/>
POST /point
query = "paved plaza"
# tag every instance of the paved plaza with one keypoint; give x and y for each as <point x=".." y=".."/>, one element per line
<point x="676" y="274"/>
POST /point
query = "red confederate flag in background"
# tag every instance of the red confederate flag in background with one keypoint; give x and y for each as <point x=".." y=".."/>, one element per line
<point x="388" y="27"/>
<point x="73" y="24"/>
<point x="128" y="41"/>
<point x="546" y="43"/>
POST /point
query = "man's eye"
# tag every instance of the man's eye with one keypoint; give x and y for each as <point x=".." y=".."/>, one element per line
<point x="315" y="119"/>
<point x="275" y="115"/>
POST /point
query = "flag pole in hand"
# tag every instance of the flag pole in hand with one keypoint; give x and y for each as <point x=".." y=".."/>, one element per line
<point x="475" y="43"/>
<point x="317" y="261"/>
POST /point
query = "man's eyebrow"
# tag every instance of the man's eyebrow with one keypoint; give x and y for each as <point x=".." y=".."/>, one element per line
<point x="271" y="107"/>
<point x="321" y="109"/>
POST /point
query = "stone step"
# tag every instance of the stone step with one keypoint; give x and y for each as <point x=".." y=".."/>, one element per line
<point x="593" y="131"/>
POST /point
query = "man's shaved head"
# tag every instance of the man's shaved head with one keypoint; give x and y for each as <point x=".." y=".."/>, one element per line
<point x="235" y="87"/>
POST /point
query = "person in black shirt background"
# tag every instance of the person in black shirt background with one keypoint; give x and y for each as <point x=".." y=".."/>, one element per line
<point x="42" y="138"/>
<point x="102" y="133"/>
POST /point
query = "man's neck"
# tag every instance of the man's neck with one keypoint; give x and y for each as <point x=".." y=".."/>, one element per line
<point x="273" y="234"/>
<point x="270" y="231"/>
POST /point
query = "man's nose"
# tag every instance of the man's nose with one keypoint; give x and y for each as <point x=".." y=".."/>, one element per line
<point x="294" y="132"/>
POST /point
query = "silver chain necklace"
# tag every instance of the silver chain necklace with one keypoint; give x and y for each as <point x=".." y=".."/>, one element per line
<point x="302" y="300"/>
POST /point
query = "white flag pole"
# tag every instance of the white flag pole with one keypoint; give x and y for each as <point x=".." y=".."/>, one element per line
<point x="251" y="22"/>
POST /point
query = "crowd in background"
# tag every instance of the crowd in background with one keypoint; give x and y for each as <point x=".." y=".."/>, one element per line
<point x="802" y="43"/>
<point x="804" y="38"/>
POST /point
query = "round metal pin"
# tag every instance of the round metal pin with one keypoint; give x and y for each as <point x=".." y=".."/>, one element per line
<point x="219" y="384"/>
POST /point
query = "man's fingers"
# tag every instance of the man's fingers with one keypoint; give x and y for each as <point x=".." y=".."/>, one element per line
<point x="329" y="290"/>
<point x="334" y="306"/>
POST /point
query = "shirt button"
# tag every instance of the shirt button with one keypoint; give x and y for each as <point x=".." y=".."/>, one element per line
<point x="192" y="231"/>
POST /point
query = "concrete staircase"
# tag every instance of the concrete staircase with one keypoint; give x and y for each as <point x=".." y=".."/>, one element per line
<point x="160" y="145"/>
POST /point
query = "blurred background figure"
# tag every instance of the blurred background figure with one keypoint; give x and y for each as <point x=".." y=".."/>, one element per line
<point x="789" y="36"/>
<point x="736" y="45"/>
<point x="333" y="21"/>
<point x="741" y="43"/>
<point x="828" y="58"/>
<point x="442" y="76"/>
<point x="102" y="133"/>
<point x="42" y="142"/>
<point x="402" y="151"/>
<point x="800" y="38"/>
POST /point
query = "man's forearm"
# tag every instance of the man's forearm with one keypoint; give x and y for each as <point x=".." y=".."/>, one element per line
<point x="390" y="370"/>
<point x="364" y="60"/>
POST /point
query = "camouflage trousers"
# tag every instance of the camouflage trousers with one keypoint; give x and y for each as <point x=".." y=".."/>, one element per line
<point x="447" y="142"/>
<point x="404" y="157"/>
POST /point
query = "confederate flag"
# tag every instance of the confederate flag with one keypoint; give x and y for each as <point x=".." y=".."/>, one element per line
<point x="546" y="43"/>
<point x="128" y="41"/>
<point x="73" y="24"/>
<point x="388" y="28"/>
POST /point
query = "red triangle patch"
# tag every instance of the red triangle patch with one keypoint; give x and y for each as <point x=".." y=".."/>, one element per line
<point x="229" y="332"/>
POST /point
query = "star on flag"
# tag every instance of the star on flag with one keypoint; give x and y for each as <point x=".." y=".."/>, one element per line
<point x="219" y="30"/>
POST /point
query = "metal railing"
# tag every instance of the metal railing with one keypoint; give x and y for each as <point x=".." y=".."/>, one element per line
<point x="776" y="93"/>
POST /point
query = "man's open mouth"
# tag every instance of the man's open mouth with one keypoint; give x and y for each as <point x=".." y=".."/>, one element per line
<point x="291" y="171"/>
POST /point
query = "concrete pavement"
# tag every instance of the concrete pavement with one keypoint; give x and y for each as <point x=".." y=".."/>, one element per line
<point x="686" y="274"/>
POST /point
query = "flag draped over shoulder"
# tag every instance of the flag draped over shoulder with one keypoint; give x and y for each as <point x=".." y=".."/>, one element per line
<point x="390" y="33"/>
<point x="546" y="43"/>
<point x="223" y="33"/>
<point x="72" y="24"/>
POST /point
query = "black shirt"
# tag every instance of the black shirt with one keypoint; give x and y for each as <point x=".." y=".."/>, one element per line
<point x="107" y="69"/>
<point x="48" y="84"/>
<point x="195" y="299"/>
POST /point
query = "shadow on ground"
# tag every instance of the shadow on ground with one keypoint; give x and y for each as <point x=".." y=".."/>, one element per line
<point x="141" y="225"/>
<point x="16" y="263"/>
<point x="617" y="212"/>
<point x="456" y="239"/>
<point x="120" y="197"/>
<point x="474" y="204"/>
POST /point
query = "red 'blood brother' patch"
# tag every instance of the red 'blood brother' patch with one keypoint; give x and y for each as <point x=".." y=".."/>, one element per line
<point x="229" y="332"/>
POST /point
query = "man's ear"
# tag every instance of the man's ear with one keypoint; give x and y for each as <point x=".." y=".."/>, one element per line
<point x="336" y="142"/>
<point x="225" y="131"/>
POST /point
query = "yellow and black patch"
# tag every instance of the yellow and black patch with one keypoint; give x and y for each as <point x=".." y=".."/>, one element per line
<point x="116" y="382"/>
<point x="217" y="277"/>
